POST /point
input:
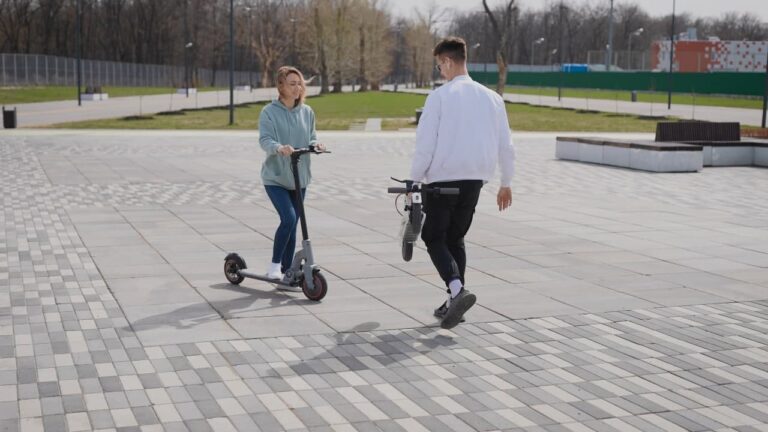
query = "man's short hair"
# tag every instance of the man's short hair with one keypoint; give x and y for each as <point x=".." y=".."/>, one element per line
<point x="452" y="47"/>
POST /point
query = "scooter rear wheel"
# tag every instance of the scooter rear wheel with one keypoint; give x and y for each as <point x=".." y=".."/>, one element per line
<point x="320" y="289"/>
<point x="232" y="265"/>
<point x="407" y="250"/>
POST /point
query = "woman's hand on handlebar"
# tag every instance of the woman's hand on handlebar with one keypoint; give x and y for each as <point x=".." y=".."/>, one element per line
<point x="320" y="147"/>
<point x="285" y="150"/>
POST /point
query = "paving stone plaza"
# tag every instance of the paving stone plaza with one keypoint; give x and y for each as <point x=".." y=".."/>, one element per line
<point x="608" y="299"/>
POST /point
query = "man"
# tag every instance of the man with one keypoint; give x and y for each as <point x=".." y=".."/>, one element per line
<point x="463" y="134"/>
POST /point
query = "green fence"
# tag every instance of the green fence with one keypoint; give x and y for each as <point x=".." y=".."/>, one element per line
<point x="728" y="83"/>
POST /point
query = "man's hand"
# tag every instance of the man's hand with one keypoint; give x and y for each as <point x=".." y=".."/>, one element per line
<point x="504" y="198"/>
<point x="285" y="150"/>
<point x="320" y="147"/>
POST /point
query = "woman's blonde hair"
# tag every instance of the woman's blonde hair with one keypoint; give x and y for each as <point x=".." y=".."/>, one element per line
<point x="282" y="76"/>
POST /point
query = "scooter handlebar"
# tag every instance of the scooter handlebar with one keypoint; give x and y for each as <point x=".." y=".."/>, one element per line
<point x="433" y="190"/>
<point x="397" y="190"/>
<point x="442" y="190"/>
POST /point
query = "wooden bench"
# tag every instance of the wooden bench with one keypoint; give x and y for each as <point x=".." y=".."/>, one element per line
<point x="685" y="146"/>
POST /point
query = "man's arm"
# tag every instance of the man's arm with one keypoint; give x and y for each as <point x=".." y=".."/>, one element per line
<point x="506" y="160"/>
<point x="426" y="138"/>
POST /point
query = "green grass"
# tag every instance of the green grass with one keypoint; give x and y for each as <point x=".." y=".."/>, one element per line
<point x="339" y="111"/>
<point x="19" y="95"/>
<point x="655" y="97"/>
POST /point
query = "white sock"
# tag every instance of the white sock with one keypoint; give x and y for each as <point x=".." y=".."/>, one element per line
<point x="275" y="268"/>
<point x="455" y="286"/>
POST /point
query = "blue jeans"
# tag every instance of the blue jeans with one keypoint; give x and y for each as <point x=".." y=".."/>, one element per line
<point x="285" y="236"/>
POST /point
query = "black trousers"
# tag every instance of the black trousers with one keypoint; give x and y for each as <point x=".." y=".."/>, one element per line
<point x="448" y="218"/>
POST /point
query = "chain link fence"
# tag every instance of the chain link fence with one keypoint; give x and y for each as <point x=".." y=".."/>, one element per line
<point x="17" y="70"/>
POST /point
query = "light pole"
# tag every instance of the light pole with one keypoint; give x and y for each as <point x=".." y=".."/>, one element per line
<point x="293" y="42"/>
<point x="765" y="92"/>
<point x="610" y="40"/>
<point x="533" y="48"/>
<point x="560" y="49"/>
<point x="551" y="54"/>
<point x="186" y="66"/>
<point x="187" y="46"/>
<point x="78" y="48"/>
<point x="250" y="49"/>
<point x="231" y="62"/>
<point x="671" y="57"/>
<point x="473" y="50"/>
<point x="629" y="46"/>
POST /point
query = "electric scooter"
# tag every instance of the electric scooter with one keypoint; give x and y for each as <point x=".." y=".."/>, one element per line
<point x="413" y="216"/>
<point x="303" y="271"/>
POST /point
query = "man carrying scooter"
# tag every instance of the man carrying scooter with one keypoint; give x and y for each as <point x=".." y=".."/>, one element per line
<point x="462" y="135"/>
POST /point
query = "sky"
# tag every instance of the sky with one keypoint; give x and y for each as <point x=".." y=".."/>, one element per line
<point x="697" y="8"/>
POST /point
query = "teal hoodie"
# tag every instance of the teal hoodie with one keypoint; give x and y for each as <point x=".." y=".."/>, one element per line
<point x="280" y="125"/>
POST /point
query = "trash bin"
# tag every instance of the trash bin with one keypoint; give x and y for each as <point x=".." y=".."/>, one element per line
<point x="418" y="114"/>
<point x="9" y="118"/>
<point x="634" y="96"/>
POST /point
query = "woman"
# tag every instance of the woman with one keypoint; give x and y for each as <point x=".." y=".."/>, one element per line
<point x="286" y="124"/>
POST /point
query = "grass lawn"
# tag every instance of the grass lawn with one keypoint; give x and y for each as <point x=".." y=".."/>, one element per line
<point x="655" y="97"/>
<point x="18" y="95"/>
<point x="340" y="111"/>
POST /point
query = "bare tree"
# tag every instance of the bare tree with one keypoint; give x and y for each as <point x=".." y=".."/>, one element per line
<point x="502" y="31"/>
<point x="270" y="41"/>
<point x="15" y="24"/>
<point x="321" y="47"/>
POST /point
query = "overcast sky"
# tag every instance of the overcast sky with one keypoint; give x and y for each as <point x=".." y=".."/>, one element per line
<point x="697" y="8"/>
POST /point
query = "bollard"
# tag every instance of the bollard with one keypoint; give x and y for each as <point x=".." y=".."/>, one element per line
<point x="9" y="118"/>
<point x="418" y="114"/>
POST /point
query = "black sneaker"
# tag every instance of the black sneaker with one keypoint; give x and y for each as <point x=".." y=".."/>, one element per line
<point x="441" y="311"/>
<point x="459" y="305"/>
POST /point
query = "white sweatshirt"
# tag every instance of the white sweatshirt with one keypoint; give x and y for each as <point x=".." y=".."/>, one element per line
<point x="463" y="134"/>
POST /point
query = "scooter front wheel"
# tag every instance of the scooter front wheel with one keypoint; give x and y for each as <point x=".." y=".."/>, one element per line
<point x="320" y="289"/>
<point x="407" y="250"/>
<point x="232" y="264"/>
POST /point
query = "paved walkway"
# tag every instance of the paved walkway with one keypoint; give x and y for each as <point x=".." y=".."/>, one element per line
<point x="48" y="113"/>
<point x="608" y="299"/>
<point x="742" y="115"/>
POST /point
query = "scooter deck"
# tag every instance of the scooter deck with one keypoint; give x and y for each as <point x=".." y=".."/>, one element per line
<point x="261" y="277"/>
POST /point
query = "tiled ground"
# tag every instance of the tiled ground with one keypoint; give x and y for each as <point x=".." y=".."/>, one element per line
<point x="609" y="300"/>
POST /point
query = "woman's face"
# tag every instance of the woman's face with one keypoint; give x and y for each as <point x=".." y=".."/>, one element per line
<point x="292" y="87"/>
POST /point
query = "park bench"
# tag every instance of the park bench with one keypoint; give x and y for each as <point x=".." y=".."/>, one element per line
<point x="679" y="147"/>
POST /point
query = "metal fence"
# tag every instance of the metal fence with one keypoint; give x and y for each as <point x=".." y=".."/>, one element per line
<point x="41" y="70"/>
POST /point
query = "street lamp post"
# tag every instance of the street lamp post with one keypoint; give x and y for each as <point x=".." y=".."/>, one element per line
<point x="629" y="46"/>
<point x="250" y="49"/>
<point x="231" y="62"/>
<point x="78" y="48"/>
<point x="765" y="92"/>
<point x="187" y="46"/>
<point x="671" y="57"/>
<point x="472" y="51"/>
<point x="533" y="48"/>
<point x="560" y="49"/>
<point x="293" y="42"/>
<point x="610" y="40"/>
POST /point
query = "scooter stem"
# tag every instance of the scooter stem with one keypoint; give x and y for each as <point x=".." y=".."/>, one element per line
<point x="297" y="196"/>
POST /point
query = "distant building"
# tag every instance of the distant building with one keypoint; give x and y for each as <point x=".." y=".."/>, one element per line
<point x="710" y="56"/>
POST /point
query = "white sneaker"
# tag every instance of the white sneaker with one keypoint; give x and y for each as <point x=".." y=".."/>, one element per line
<point x="274" y="272"/>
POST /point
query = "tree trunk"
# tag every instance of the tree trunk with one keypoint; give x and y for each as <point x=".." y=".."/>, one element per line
<point x="501" y="62"/>
<point x="320" y="40"/>
<point x="363" y="81"/>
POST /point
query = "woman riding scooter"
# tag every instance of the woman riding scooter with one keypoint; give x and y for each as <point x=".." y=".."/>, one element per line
<point x="285" y="125"/>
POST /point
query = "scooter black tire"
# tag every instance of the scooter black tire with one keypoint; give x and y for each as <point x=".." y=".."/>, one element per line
<point x="407" y="251"/>
<point x="232" y="264"/>
<point x="320" y="289"/>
